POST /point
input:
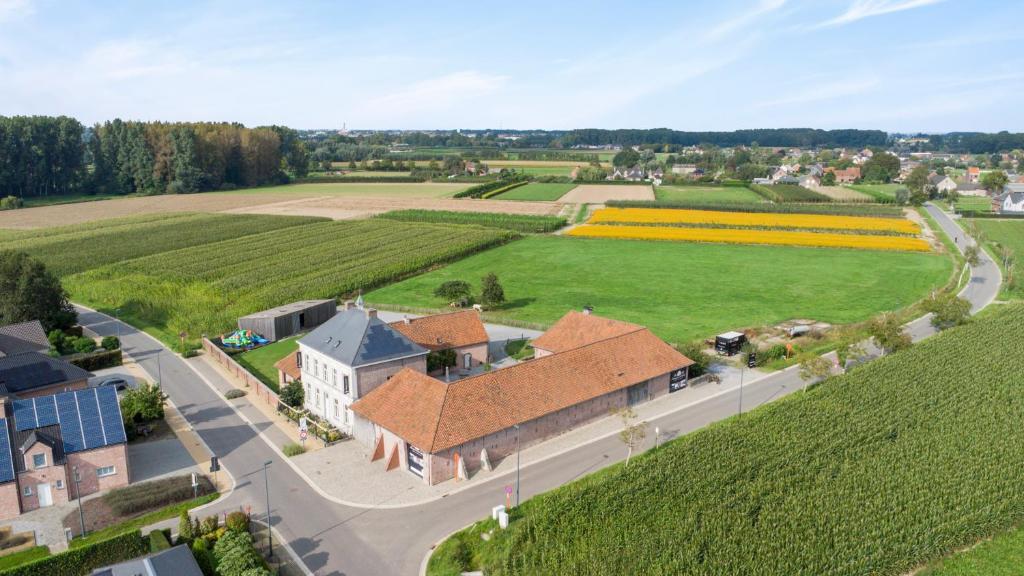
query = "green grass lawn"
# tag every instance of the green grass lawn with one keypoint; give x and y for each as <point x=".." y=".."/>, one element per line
<point x="261" y="360"/>
<point x="974" y="203"/>
<point x="1006" y="233"/>
<point x="537" y="191"/>
<point x="1000" y="556"/>
<point x="888" y="190"/>
<point x="714" y="194"/>
<point x="685" y="291"/>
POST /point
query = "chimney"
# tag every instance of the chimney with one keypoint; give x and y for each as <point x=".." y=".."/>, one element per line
<point x="371" y="312"/>
<point x="350" y="304"/>
<point x="588" y="309"/>
<point x="407" y="321"/>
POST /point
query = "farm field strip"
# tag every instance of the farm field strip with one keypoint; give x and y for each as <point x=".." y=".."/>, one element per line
<point x="542" y="191"/>
<point x="600" y="193"/>
<point x="759" y="219"/>
<point x="771" y="237"/>
<point x="711" y="194"/>
<point x="843" y="194"/>
<point x="880" y="191"/>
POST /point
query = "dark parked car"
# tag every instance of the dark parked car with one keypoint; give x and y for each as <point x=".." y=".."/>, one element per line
<point x="119" y="384"/>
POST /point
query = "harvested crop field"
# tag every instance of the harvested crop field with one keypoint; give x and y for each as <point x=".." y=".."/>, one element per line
<point x="352" y="207"/>
<point x="843" y="194"/>
<point x="600" y="193"/>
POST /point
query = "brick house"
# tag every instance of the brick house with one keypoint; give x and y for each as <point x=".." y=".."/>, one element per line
<point x="347" y="357"/>
<point x="586" y="366"/>
<point x="23" y="337"/>
<point x="47" y="439"/>
<point x="845" y="176"/>
<point x="462" y="332"/>
<point x="27" y="369"/>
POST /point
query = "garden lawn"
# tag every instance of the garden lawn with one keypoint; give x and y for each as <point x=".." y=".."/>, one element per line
<point x="261" y="360"/>
<point x="1007" y="233"/>
<point x="1001" y="556"/>
<point x="974" y="204"/>
<point x="684" y="291"/>
<point x="712" y="194"/>
<point x="537" y="191"/>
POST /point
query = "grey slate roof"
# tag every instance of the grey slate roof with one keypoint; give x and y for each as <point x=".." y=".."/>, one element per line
<point x="31" y="370"/>
<point x="176" y="561"/>
<point x="49" y="435"/>
<point x="354" y="338"/>
<point x="23" y="337"/>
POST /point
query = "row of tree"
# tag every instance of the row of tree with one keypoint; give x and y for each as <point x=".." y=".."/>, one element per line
<point x="785" y="137"/>
<point x="976" y="142"/>
<point x="43" y="156"/>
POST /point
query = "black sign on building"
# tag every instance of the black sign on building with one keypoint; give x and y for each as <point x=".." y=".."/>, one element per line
<point x="677" y="380"/>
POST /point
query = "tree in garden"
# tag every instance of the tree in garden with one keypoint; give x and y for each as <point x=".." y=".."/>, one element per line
<point x="952" y="197"/>
<point x="882" y="167"/>
<point x="491" y="292"/>
<point x="814" y="368"/>
<point x="888" y="334"/>
<point x="917" y="179"/>
<point x="143" y="404"/>
<point x="454" y="291"/>
<point x="828" y="179"/>
<point x="902" y="196"/>
<point x="235" y="554"/>
<point x="947" y="310"/>
<point x="1006" y="256"/>
<point x="626" y="158"/>
<point x="185" y="533"/>
<point x="30" y="292"/>
<point x="293" y="394"/>
<point x="994" y="181"/>
<point x="633" y="433"/>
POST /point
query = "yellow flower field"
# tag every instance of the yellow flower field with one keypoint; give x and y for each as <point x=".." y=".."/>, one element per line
<point x="733" y="236"/>
<point x="754" y="219"/>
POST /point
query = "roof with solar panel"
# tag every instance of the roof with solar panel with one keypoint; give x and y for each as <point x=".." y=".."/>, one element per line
<point x="32" y="370"/>
<point x="68" y="422"/>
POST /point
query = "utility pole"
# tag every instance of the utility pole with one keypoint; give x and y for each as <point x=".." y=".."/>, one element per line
<point x="516" y="426"/>
<point x="78" y="493"/>
<point x="270" y="544"/>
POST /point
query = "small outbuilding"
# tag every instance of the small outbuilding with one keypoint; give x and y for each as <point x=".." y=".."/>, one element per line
<point x="290" y="319"/>
<point x="729" y="343"/>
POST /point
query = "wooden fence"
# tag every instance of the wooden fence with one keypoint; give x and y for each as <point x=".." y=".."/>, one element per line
<point x="255" y="385"/>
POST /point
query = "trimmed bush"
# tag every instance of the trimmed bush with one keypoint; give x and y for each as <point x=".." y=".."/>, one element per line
<point x="154" y="494"/>
<point x="97" y="360"/>
<point x="81" y="561"/>
<point x="110" y="343"/>
<point x="235" y="554"/>
<point x="10" y="203"/>
<point x="204" y="557"/>
<point x="209" y="525"/>
<point x="237" y="522"/>
<point x="234" y="393"/>
<point x="293" y="449"/>
<point x="158" y="541"/>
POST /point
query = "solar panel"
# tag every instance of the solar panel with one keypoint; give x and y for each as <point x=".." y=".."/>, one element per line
<point x="6" y="462"/>
<point x="89" y="412"/>
<point x="46" y="411"/>
<point x="70" y="425"/>
<point x="110" y="414"/>
<point x="24" y="415"/>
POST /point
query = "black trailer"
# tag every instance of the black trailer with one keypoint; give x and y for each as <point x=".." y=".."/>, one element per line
<point x="729" y="343"/>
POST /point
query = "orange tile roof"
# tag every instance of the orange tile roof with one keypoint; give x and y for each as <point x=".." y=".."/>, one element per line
<point x="290" y="365"/>
<point x="577" y="329"/>
<point x="435" y="416"/>
<point x="442" y="331"/>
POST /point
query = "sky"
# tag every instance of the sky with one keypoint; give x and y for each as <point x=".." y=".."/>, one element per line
<point x="894" y="65"/>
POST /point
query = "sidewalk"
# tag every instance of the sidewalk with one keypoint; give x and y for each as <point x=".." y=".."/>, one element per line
<point x="344" y="470"/>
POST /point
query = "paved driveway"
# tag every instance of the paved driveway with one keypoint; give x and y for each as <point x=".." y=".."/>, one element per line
<point x="158" y="458"/>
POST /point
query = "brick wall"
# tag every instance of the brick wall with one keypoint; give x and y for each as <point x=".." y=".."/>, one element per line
<point x="369" y="377"/>
<point x="9" y="502"/>
<point x="33" y="477"/>
<point x="56" y="388"/>
<point x="256" y="386"/>
<point x="479" y="353"/>
<point x="90" y="460"/>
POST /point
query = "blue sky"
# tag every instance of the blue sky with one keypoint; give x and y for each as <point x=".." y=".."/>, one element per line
<point x="896" y="65"/>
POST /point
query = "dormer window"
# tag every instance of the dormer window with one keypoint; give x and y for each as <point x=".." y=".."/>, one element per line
<point x="39" y="460"/>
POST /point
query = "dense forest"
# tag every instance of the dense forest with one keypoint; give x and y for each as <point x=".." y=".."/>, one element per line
<point x="43" y="156"/>
<point x="976" y="142"/>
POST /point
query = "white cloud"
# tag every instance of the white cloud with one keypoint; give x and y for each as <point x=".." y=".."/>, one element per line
<point x="743" y="19"/>
<point x="11" y="10"/>
<point x="817" y="92"/>
<point x="861" y="9"/>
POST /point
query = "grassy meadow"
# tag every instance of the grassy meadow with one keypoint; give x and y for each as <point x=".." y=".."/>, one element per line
<point x="1009" y="233"/>
<point x="684" y="291"/>
<point x="709" y="194"/>
<point x="549" y="191"/>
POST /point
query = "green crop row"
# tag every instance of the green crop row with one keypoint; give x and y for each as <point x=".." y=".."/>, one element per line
<point x="788" y="193"/>
<point x="517" y="222"/>
<point x="496" y="186"/>
<point x="836" y="209"/>
<point x="899" y="462"/>
<point x="203" y="289"/>
<point x="78" y="248"/>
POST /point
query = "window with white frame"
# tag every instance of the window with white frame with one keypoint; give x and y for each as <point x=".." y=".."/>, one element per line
<point x="39" y="460"/>
<point x="60" y="484"/>
<point x="26" y="491"/>
<point x="104" y="471"/>
<point x="345" y="383"/>
<point x="337" y="408"/>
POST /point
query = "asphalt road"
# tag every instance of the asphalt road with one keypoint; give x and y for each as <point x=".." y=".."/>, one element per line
<point x="336" y="539"/>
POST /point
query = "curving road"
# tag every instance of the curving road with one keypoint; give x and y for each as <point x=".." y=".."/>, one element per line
<point x="336" y="539"/>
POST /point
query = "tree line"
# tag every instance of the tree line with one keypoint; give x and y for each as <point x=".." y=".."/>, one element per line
<point x="43" y="155"/>
<point x="976" y="142"/>
<point x="787" y="137"/>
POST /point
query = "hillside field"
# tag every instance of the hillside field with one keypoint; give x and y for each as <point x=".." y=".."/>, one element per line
<point x="684" y="291"/>
<point x="1007" y="233"/>
<point x="900" y="462"/>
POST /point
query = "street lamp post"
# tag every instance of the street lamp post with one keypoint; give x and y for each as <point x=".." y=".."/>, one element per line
<point x="78" y="493"/>
<point x="159" y="372"/>
<point x="516" y="426"/>
<point x="117" y="317"/>
<point x="266" y="483"/>
<point x="741" y="391"/>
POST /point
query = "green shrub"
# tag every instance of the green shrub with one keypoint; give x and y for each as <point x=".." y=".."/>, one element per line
<point x="204" y="557"/>
<point x="293" y="449"/>
<point x="701" y="360"/>
<point x="185" y="532"/>
<point x="143" y="404"/>
<point x="158" y="541"/>
<point x="234" y="393"/>
<point x="237" y="521"/>
<point x="454" y="291"/>
<point x="23" y="557"/>
<point x="209" y="525"/>
<point x="293" y="394"/>
<point x="83" y="345"/>
<point x="10" y="203"/>
<point x="235" y="554"/>
<point x="97" y="360"/>
<point x="110" y="343"/>
<point x="439" y="359"/>
<point x="81" y="561"/>
<point x="146" y="496"/>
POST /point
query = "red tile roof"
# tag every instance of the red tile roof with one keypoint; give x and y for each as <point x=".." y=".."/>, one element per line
<point x="290" y="365"/>
<point x="435" y="416"/>
<point x="443" y="331"/>
<point x="577" y="329"/>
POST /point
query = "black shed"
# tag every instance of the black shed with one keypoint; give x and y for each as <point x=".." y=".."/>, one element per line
<point x="729" y="343"/>
<point x="290" y="319"/>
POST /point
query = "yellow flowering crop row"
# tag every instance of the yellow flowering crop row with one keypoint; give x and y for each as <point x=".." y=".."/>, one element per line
<point x="734" y="236"/>
<point x="754" y="219"/>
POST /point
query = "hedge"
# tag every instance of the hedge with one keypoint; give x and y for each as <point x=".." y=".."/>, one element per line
<point x="502" y="190"/>
<point x="97" y="360"/>
<point x="359" y="180"/>
<point x="614" y="182"/>
<point x="976" y="214"/>
<point x="82" y="561"/>
<point x="480" y="189"/>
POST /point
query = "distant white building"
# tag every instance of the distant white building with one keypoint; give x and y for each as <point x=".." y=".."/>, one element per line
<point x="1009" y="202"/>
